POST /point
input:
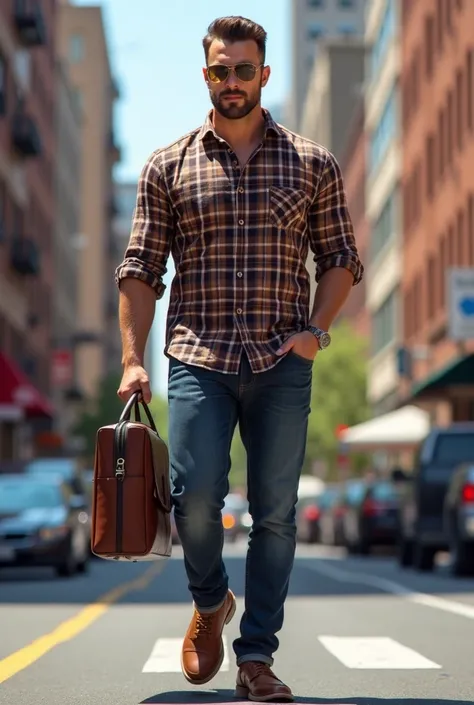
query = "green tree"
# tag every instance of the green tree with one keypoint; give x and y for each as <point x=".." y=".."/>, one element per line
<point x="339" y="395"/>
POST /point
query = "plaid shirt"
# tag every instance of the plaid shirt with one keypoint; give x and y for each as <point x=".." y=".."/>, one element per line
<point x="239" y="238"/>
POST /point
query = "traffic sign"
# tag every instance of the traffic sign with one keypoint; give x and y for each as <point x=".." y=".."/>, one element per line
<point x="460" y="287"/>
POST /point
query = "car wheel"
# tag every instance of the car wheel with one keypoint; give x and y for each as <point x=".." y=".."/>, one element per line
<point x="405" y="553"/>
<point x="462" y="557"/>
<point x="423" y="557"/>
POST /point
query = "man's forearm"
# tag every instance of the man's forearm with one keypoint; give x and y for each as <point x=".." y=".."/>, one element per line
<point x="331" y="294"/>
<point x="137" y="304"/>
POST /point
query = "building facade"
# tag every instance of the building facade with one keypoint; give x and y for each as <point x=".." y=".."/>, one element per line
<point x="312" y="20"/>
<point x="27" y="212"/>
<point x="438" y="187"/>
<point x="353" y="165"/>
<point x="384" y="263"/>
<point x="84" y="51"/>
<point x="69" y="120"/>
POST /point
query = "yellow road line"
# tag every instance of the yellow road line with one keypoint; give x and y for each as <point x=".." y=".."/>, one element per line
<point x="67" y="630"/>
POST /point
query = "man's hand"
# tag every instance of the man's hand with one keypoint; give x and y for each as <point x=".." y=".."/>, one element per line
<point x="134" y="379"/>
<point x="304" y="344"/>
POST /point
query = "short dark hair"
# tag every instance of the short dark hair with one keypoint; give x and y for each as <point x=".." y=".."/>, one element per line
<point x="235" y="29"/>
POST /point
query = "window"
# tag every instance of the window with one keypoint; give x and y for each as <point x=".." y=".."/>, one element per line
<point x="346" y="4"/>
<point x="461" y="260"/>
<point x="382" y="41"/>
<point x="430" y="165"/>
<point x="385" y="131"/>
<point x="431" y="287"/>
<point x="384" y="324"/>
<point x="316" y="4"/>
<point x="470" y="89"/>
<point x="347" y="30"/>
<point x="429" y="45"/>
<point x="470" y="230"/>
<point x="3" y="86"/>
<point x="315" y="31"/>
<point x="451" y="126"/>
<point x="459" y="109"/>
<point x="385" y="226"/>
<point x="76" y="48"/>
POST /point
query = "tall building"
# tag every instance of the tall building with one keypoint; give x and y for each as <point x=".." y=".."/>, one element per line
<point x="311" y="20"/>
<point x="83" y="48"/>
<point x="438" y="186"/>
<point x="384" y="264"/>
<point x="27" y="214"/>
<point x="69" y="120"/>
<point x="126" y="197"/>
<point x="353" y="163"/>
<point x="334" y="91"/>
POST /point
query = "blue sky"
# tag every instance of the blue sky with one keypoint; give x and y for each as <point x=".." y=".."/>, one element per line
<point x="157" y="57"/>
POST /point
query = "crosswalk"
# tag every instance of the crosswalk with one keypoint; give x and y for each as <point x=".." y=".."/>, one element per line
<point x="353" y="652"/>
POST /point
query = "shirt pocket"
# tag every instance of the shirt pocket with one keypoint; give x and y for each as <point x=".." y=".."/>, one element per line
<point x="288" y="207"/>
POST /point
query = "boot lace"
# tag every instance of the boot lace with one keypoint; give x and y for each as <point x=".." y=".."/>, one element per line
<point x="204" y="624"/>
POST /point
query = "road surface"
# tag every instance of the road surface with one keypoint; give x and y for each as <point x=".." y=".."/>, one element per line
<point x="357" y="630"/>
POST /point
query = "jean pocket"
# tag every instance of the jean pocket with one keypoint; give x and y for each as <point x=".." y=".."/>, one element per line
<point x="306" y="360"/>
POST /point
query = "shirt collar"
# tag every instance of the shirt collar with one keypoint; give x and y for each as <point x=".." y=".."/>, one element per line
<point x="270" y="126"/>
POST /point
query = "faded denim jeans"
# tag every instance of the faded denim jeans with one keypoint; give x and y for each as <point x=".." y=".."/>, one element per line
<point x="272" y="410"/>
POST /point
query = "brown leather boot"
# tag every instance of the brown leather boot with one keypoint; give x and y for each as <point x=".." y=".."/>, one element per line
<point x="203" y="650"/>
<point x="256" y="681"/>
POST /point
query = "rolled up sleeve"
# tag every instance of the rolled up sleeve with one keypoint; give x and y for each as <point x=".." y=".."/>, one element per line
<point x="331" y="232"/>
<point x="152" y="230"/>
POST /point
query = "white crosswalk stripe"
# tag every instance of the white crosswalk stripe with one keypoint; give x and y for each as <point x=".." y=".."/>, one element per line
<point x="375" y="652"/>
<point x="166" y="657"/>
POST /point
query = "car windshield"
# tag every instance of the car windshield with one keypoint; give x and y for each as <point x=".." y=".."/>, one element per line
<point x="19" y="495"/>
<point x="57" y="466"/>
<point x="454" y="449"/>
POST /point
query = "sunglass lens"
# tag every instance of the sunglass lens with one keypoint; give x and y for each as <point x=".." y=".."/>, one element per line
<point x="217" y="73"/>
<point x="245" y="72"/>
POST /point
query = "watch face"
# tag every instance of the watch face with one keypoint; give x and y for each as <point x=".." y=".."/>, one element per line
<point x="324" y="340"/>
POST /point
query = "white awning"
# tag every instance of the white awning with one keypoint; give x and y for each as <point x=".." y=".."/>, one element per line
<point x="398" y="430"/>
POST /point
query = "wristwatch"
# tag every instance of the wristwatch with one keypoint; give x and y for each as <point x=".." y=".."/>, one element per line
<point x="322" y="336"/>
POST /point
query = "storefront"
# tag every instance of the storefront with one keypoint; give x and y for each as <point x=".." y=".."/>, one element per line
<point x="21" y="407"/>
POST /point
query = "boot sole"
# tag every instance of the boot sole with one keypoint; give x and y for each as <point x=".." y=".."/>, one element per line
<point x="203" y="681"/>
<point x="242" y="692"/>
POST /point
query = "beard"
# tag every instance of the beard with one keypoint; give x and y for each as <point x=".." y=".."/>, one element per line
<point x="234" y="110"/>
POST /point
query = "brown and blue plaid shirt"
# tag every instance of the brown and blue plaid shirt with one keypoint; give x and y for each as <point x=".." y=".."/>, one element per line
<point x="239" y="238"/>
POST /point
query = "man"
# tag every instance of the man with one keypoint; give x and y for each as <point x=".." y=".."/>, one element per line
<point x="237" y="202"/>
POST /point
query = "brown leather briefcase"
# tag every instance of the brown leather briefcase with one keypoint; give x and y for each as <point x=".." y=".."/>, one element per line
<point x="131" y="496"/>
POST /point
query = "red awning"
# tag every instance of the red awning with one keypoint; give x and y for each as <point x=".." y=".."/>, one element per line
<point x="17" y="390"/>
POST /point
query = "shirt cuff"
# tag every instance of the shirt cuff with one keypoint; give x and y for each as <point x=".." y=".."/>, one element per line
<point x="138" y="270"/>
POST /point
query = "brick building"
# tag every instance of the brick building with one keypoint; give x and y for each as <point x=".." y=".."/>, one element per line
<point x="438" y="194"/>
<point x="27" y="143"/>
<point x="353" y="165"/>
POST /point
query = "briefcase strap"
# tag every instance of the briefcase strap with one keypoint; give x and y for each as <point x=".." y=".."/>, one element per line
<point x="133" y="403"/>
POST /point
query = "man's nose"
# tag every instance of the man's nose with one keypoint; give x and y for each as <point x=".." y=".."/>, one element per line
<point x="232" y="80"/>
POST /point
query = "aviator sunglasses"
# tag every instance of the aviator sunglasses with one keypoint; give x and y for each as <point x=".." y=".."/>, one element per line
<point x="244" y="72"/>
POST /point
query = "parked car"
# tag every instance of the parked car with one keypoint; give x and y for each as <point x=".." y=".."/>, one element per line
<point x="40" y="525"/>
<point x="348" y="500"/>
<point x="422" y="530"/>
<point x="69" y="471"/>
<point x="374" y="520"/>
<point x="458" y="517"/>
<point x="234" y="516"/>
<point x="310" y="513"/>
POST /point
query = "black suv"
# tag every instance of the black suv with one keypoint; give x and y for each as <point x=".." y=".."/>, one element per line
<point x="422" y="531"/>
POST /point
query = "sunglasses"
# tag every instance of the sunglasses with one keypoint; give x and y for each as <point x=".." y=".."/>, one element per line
<point x="244" y="72"/>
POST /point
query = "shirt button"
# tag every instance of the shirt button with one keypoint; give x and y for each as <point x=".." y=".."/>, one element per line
<point x="241" y="190"/>
<point x="239" y="310"/>
<point x="235" y="164"/>
<point x="241" y="222"/>
<point x="239" y="274"/>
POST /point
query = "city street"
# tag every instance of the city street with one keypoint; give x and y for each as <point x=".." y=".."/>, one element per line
<point x="357" y="630"/>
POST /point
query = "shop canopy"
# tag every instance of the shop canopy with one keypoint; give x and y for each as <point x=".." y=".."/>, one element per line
<point x="398" y="430"/>
<point x="18" y="396"/>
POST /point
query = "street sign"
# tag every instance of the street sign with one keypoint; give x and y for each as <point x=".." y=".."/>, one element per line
<point x="460" y="288"/>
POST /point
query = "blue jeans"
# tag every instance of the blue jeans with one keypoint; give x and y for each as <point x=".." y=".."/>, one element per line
<point x="272" y="410"/>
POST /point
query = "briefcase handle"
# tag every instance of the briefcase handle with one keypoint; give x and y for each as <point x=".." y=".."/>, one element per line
<point x="133" y="402"/>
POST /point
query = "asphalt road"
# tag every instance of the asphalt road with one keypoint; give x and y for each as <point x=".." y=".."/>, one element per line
<point x="357" y="630"/>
